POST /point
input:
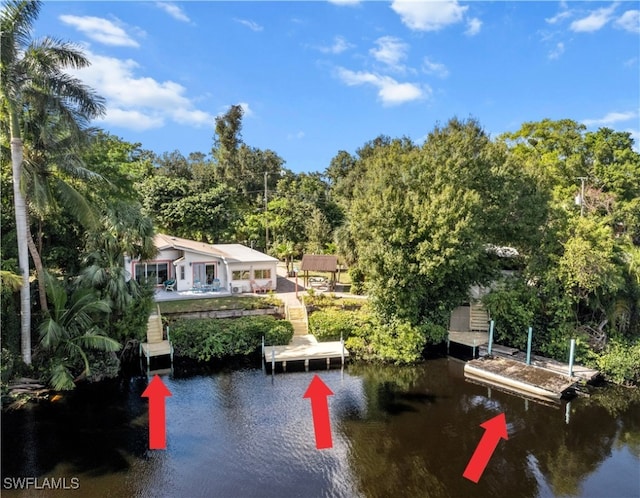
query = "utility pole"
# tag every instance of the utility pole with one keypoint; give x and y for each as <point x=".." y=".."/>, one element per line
<point x="582" y="180"/>
<point x="266" y="220"/>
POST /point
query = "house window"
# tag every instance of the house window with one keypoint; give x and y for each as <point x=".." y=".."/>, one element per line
<point x="155" y="273"/>
<point x="240" y="275"/>
<point x="181" y="272"/>
<point x="262" y="273"/>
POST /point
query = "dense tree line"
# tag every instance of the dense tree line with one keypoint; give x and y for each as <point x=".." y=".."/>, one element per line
<point x="426" y="222"/>
<point x="418" y="224"/>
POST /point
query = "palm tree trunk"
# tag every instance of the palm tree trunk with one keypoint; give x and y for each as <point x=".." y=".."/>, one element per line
<point x="37" y="262"/>
<point x="21" y="232"/>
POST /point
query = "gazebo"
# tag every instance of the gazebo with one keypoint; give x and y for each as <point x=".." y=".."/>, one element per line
<point x="319" y="262"/>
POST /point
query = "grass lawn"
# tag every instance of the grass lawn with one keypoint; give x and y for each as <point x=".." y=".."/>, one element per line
<point x="217" y="304"/>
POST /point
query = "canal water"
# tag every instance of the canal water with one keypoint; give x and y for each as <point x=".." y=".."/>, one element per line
<point x="397" y="432"/>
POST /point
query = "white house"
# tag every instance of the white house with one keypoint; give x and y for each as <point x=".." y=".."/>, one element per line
<point x="196" y="264"/>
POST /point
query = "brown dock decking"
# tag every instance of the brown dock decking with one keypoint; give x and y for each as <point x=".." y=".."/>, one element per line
<point x="305" y="348"/>
<point x="515" y="375"/>
<point x="579" y="371"/>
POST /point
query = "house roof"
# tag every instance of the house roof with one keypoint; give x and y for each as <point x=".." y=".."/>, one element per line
<point x="233" y="253"/>
<point x="319" y="262"/>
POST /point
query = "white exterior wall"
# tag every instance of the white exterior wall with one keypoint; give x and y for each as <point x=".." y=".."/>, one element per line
<point x="190" y="259"/>
<point x="250" y="268"/>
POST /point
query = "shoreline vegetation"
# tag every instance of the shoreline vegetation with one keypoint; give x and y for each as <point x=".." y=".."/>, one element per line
<point x="205" y="344"/>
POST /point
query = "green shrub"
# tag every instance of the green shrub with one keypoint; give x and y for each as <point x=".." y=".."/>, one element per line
<point x="620" y="363"/>
<point x="357" y="280"/>
<point x="396" y="342"/>
<point x="433" y="333"/>
<point x="215" y="338"/>
<point x="330" y="325"/>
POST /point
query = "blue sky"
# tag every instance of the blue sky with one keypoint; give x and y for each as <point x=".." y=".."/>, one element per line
<point x="318" y="77"/>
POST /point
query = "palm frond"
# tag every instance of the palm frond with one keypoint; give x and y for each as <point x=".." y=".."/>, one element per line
<point x="57" y="295"/>
<point x="16" y="23"/>
<point x="98" y="342"/>
<point x="77" y="204"/>
<point x="52" y="333"/>
<point x="61" y="378"/>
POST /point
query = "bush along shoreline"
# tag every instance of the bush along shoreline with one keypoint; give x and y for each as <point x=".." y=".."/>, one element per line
<point x="204" y="340"/>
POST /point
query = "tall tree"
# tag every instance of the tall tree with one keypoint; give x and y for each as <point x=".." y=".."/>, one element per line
<point x="420" y="221"/>
<point x="53" y="165"/>
<point x="227" y="140"/>
<point x="32" y="71"/>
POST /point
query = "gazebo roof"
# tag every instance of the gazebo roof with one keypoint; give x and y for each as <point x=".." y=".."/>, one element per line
<point x="319" y="262"/>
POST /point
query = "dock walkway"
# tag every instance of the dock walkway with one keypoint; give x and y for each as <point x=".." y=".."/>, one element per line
<point x="305" y="348"/>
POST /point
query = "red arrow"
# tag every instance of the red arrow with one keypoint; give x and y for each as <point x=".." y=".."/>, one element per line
<point x="318" y="392"/>
<point x="496" y="428"/>
<point x="156" y="391"/>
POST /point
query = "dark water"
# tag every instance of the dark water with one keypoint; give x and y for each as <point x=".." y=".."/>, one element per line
<point x="397" y="432"/>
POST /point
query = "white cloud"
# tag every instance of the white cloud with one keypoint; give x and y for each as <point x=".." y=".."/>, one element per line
<point x="629" y="21"/>
<point x="347" y="3"/>
<point x="428" y="16"/>
<point x="436" y="68"/>
<point x="340" y="44"/>
<point x="390" y="91"/>
<point x="139" y="102"/>
<point x="594" y="21"/>
<point x="132" y="119"/>
<point x="252" y="25"/>
<point x="611" y="118"/>
<point x="100" y="30"/>
<point x="557" y="51"/>
<point x="473" y="26"/>
<point x="246" y="110"/>
<point x="390" y="51"/>
<point x="560" y="16"/>
<point x="174" y="11"/>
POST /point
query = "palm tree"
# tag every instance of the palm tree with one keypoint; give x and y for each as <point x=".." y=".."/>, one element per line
<point x="70" y="329"/>
<point x="285" y="250"/>
<point x="32" y="73"/>
<point x="51" y="164"/>
<point x="124" y="230"/>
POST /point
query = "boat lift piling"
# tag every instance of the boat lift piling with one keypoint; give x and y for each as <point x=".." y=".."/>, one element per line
<point x="572" y="351"/>
<point x="529" y="345"/>
<point x="491" y="325"/>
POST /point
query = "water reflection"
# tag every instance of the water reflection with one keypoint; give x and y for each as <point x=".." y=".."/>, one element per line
<point x="396" y="432"/>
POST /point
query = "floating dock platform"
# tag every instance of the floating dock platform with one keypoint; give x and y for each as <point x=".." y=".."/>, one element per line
<point x="305" y="348"/>
<point x="533" y="380"/>
<point x="517" y="376"/>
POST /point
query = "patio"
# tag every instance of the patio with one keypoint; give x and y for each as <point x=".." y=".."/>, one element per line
<point x="163" y="295"/>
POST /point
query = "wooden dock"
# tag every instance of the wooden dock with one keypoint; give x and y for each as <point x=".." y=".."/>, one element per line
<point x="472" y="339"/>
<point x="305" y="348"/>
<point x="537" y="380"/>
<point x="581" y="372"/>
<point x="515" y="375"/>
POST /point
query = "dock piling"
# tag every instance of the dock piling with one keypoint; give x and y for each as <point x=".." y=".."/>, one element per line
<point x="490" y="337"/>
<point x="572" y="351"/>
<point x="529" y="346"/>
<point x="273" y="362"/>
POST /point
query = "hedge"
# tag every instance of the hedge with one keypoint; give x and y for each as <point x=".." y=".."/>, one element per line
<point x="216" y="338"/>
